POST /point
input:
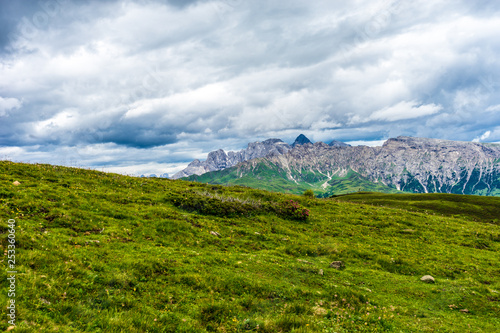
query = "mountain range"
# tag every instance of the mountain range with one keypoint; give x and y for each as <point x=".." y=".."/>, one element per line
<point x="163" y="175"/>
<point x="219" y="160"/>
<point x="402" y="164"/>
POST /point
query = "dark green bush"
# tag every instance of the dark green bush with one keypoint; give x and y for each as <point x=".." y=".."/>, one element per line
<point x="293" y="210"/>
<point x="207" y="204"/>
<point x="309" y="194"/>
<point x="212" y="206"/>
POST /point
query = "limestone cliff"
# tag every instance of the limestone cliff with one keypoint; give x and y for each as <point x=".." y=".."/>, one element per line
<point x="220" y="160"/>
<point x="405" y="163"/>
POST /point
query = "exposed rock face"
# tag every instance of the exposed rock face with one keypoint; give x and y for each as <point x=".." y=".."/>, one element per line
<point x="196" y="167"/>
<point x="405" y="163"/>
<point x="430" y="165"/>
<point x="412" y="164"/>
<point x="301" y="140"/>
<point x="336" y="143"/>
<point x="219" y="159"/>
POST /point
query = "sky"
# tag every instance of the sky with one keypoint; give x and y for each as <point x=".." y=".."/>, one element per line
<point x="144" y="86"/>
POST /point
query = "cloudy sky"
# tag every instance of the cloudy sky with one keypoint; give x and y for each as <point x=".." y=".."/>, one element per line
<point x="146" y="86"/>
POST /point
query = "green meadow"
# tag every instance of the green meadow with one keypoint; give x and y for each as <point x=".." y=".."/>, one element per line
<point x="100" y="252"/>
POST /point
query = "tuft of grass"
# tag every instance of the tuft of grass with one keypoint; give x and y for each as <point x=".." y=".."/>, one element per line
<point x="99" y="252"/>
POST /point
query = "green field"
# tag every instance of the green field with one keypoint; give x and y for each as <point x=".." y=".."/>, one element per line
<point x="472" y="207"/>
<point x="99" y="252"/>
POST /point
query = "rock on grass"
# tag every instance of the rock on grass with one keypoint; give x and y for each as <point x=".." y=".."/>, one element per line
<point x="427" y="279"/>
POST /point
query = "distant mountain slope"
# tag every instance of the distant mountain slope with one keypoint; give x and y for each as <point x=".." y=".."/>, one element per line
<point x="220" y="160"/>
<point x="263" y="175"/>
<point x="405" y="164"/>
<point x="335" y="143"/>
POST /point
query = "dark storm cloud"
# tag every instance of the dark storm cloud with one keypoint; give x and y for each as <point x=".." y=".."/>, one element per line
<point x="11" y="16"/>
<point x="97" y="80"/>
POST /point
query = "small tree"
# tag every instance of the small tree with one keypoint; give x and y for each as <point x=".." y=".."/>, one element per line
<point x="309" y="194"/>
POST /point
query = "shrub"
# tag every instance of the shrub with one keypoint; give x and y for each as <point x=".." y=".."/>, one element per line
<point x="309" y="194"/>
<point x="293" y="210"/>
<point x="213" y="205"/>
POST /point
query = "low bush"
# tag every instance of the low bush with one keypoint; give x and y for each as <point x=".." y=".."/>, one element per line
<point x="293" y="210"/>
<point x="213" y="206"/>
<point x="309" y="194"/>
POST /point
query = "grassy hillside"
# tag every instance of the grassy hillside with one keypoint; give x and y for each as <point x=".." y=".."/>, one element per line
<point x="267" y="176"/>
<point x="354" y="182"/>
<point x="475" y="208"/>
<point x="101" y="252"/>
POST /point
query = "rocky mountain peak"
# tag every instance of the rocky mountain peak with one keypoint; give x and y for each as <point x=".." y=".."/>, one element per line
<point x="219" y="159"/>
<point x="195" y="163"/>
<point x="403" y="163"/>
<point x="301" y="140"/>
<point x="335" y="143"/>
<point x="320" y="144"/>
<point x="273" y="141"/>
<point x="406" y="163"/>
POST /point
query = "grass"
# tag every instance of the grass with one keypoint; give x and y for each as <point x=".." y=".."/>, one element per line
<point x="99" y="252"/>
<point x="354" y="182"/>
<point x="477" y="208"/>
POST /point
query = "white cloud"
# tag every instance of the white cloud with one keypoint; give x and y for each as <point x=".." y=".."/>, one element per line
<point x="323" y="124"/>
<point x="142" y="74"/>
<point x="401" y="111"/>
<point x="483" y="137"/>
<point x="67" y="119"/>
<point x="8" y="104"/>
<point x="404" y="111"/>
<point x="493" y="108"/>
<point x="375" y="143"/>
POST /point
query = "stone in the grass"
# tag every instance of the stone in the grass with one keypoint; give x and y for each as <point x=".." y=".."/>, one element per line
<point x="337" y="265"/>
<point x="427" y="279"/>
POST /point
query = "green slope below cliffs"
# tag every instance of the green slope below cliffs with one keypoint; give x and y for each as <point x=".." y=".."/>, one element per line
<point x="267" y="176"/>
